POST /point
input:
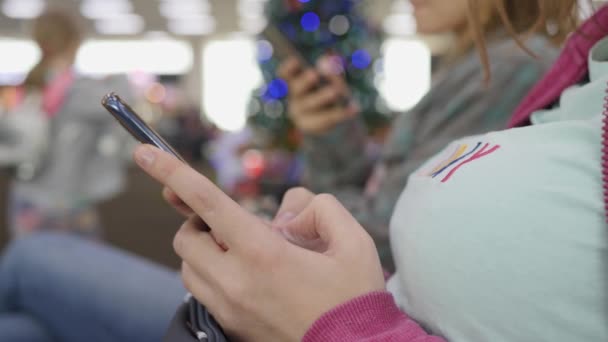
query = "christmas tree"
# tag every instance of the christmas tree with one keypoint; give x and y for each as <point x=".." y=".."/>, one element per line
<point x="318" y="28"/>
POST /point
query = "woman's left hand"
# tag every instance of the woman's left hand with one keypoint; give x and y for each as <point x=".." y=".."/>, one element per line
<point x="258" y="284"/>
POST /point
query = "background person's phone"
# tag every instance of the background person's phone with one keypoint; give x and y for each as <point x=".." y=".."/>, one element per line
<point x="135" y="125"/>
<point x="283" y="48"/>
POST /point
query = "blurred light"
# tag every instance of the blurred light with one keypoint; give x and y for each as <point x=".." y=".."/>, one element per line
<point x="23" y="9"/>
<point x="156" y="93"/>
<point x="195" y="26"/>
<point x="402" y="6"/>
<point x="304" y="1"/>
<point x="175" y="9"/>
<point x="253" y="26"/>
<point x="310" y="21"/>
<point x="157" y="35"/>
<point x="255" y="106"/>
<point x="265" y="50"/>
<point x="230" y="75"/>
<point x="400" y="24"/>
<point x="124" y="24"/>
<point x="379" y="66"/>
<point x="105" y="9"/>
<point x="169" y="57"/>
<point x="274" y="109"/>
<point x="339" y="25"/>
<point x="404" y="84"/>
<point x="141" y="79"/>
<point x="250" y="9"/>
<point x="361" y="59"/>
<point x="18" y="58"/>
<point x="277" y="89"/>
<point x="253" y="163"/>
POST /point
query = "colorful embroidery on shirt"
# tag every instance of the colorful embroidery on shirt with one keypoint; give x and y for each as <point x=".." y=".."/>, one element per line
<point x="459" y="158"/>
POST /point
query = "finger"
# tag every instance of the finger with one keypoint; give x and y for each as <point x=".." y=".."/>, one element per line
<point x="196" y="246"/>
<point x="294" y="201"/>
<point x="176" y="202"/>
<point x="319" y="99"/>
<point x="289" y="69"/>
<point x="227" y="219"/>
<point x="205" y="293"/>
<point x="323" y="120"/>
<point x="324" y="219"/>
<point x="303" y="83"/>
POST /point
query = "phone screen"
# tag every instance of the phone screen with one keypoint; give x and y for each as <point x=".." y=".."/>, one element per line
<point x="135" y="125"/>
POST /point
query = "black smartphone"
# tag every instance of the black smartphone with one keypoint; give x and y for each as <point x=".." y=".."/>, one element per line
<point x="135" y="125"/>
<point x="283" y="48"/>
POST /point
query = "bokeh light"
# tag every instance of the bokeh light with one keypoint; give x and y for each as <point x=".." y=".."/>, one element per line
<point x="310" y="21"/>
<point x="265" y="50"/>
<point x="339" y="25"/>
<point x="156" y="93"/>
<point x="277" y="89"/>
<point x="361" y="59"/>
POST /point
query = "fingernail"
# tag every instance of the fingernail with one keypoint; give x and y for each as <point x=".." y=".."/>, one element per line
<point x="283" y="218"/>
<point x="144" y="156"/>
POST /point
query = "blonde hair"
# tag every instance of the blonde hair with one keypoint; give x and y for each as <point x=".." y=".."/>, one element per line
<point x="56" y="32"/>
<point x="554" y="19"/>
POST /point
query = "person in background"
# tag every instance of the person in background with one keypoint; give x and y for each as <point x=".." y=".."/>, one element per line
<point x="461" y="102"/>
<point x="81" y="163"/>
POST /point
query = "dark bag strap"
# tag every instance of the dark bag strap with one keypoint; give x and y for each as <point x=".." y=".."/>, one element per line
<point x="193" y="322"/>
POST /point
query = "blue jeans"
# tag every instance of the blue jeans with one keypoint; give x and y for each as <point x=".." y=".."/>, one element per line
<point x="56" y="287"/>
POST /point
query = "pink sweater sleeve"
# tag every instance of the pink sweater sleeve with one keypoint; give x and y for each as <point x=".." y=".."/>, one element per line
<point x="372" y="317"/>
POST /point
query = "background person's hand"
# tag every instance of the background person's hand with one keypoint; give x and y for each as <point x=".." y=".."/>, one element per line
<point x="316" y="110"/>
<point x="259" y="286"/>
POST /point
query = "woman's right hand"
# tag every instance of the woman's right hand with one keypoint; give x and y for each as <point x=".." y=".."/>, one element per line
<point x="262" y="281"/>
<point x="316" y="110"/>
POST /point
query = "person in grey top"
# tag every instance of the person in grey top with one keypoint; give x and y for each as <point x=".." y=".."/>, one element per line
<point x="83" y="160"/>
<point x="461" y="103"/>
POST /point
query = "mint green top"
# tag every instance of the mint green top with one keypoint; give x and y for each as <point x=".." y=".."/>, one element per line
<point x="502" y="237"/>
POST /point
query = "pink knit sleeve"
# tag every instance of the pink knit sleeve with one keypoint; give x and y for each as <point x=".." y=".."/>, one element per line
<point x="373" y="317"/>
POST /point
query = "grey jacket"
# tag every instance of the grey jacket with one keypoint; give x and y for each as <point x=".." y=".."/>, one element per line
<point x="85" y="157"/>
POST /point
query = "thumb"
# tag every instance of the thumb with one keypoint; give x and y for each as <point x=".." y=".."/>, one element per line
<point x="322" y="226"/>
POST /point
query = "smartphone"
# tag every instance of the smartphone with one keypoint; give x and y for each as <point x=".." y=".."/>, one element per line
<point x="283" y="48"/>
<point x="135" y="125"/>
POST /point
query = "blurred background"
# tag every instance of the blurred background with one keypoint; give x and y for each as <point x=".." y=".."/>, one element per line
<point x="199" y="74"/>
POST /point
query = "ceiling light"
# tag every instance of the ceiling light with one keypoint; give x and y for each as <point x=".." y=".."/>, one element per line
<point x="253" y="25"/>
<point x="400" y="24"/>
<point x="159" y="57"/>
<point x="23" y="9"/>
<point x="102" y="9"/>
<point x="402" y="6"/>
<point x="121" y="24"/>
<point x="18" y="56"/>
<point x="178" y="9"/>
<point x="250" y="8"/>
<point x="192" y="27"/>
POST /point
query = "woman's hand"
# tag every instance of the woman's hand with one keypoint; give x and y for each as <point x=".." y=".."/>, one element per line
<point x="258" y="284"/>
<point x="316" y="110"/>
